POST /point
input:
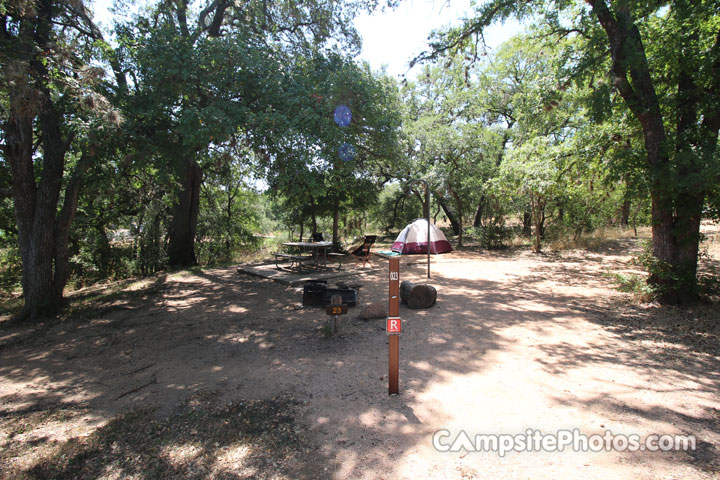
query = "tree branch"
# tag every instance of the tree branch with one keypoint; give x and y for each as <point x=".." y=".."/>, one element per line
<point x="182" y="17"/>
<point x="496" y="10"/>
<point x="78" y="13"/>
<point x="628" y="57"/>
<point x="218" y="16"/>
<point x="617" y="47"/>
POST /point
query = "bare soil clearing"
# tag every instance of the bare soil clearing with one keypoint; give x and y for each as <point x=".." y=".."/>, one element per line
<point x="219" y="375"/>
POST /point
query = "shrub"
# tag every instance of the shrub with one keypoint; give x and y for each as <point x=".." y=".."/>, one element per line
<point x="491" y="236"/>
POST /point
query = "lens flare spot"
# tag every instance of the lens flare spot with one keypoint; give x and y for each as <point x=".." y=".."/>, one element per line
<point x="342" y="115"/>
<point x="347" y="152"/>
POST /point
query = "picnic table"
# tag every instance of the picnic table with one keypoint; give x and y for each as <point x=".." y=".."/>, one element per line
<point x="299" y="261"/>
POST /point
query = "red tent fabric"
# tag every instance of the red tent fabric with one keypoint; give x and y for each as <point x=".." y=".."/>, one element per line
<point x="413" y="239"/>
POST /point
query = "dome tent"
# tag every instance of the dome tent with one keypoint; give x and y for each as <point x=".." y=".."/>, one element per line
<point x="413" y="239"/>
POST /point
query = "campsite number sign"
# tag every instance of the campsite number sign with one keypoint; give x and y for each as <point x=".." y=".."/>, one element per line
<point x="336" y="309"/>
<point x="394" y="327"/>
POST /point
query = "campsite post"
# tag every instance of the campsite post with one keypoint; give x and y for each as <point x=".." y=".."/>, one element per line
<point x="394" y="327"/>
<point x="427" y="216"/>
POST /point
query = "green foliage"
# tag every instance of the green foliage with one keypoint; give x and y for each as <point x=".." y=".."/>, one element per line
<point x="149" y="236"/>
<point x="662" y="278"/>
<point x="394" y="209"/>
<point x="491" y="236"/>
<point x="229" y="218"/>
<point x="534" y="131"/>
<point x="635" y="284"/>
<point x="448" y="142"/>
<point x="713" y="204"/>
<point x="10" y="262"/>
<point x="708" y="283"/>
<point x="130" y="246"/>
<point x="305" y="171"/>
<point x="661" y="101"/>
<point x="10" y="266"/>
<point x="515" y="137"/>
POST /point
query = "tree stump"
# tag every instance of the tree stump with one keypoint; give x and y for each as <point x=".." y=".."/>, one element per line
<point x="417" y="296"/>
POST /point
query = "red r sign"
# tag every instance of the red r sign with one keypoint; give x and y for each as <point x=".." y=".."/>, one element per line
<point x="394" y="325"/>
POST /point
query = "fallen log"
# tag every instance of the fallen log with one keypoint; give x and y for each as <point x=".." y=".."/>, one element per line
<point x="417" y="296"/>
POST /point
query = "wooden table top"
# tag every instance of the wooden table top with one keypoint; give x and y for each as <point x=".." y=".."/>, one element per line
<point x="308" y="244"/>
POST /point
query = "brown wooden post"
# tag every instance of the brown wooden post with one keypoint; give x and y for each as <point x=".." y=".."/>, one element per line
<point x="394" y="327"/>
<point x="335" y="301"/>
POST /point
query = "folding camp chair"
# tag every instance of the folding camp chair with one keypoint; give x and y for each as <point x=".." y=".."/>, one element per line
<point x="362" y="253"/>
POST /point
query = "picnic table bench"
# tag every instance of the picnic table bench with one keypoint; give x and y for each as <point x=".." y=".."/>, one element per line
<point x="295" y="261"/>
<point x="337" y="256"/>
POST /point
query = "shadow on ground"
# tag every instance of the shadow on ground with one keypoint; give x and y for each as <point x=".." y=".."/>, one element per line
<point x="225" y="375"/>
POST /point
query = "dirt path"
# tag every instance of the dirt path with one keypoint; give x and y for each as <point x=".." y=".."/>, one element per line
<point x="515" y="342"/>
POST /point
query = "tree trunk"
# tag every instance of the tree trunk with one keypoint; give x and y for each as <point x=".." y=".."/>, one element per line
<point x="104" y="250"/>
<point x="229" y="221"/>
<point x="537" y="205"/>
<point x="181" y="248"/>
<point x="458" y="203"/>
<point x="676" y="243"/>
<point x="449" y="214"/>
<point x="62" y="229"/>
<point x="36" y="202"/>
<point x="527" y="224"/>
<point x="336" y="224"/>
<point x="479" y="212"/>
<point x="625" y="211"/>
<point x="313" y="215"/>
<point x="43" y="248"/>
<point x="437" y="212"/>
<point x="687" y="237"/>
<point x="421" y="199"/>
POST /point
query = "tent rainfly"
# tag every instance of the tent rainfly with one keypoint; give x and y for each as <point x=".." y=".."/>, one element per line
<point x="413" y="239"/>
